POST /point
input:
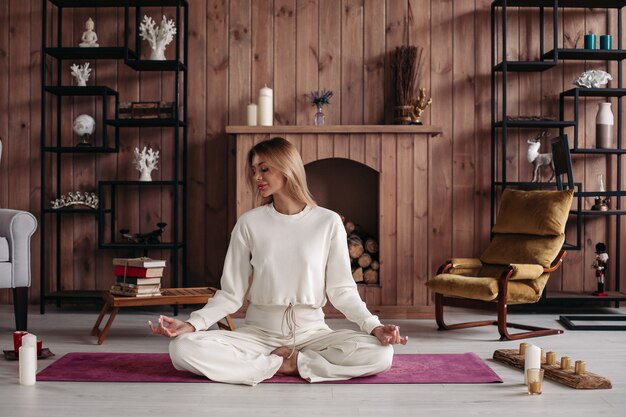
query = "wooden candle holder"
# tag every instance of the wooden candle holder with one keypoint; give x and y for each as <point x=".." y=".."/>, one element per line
<point x="554" y="372"/>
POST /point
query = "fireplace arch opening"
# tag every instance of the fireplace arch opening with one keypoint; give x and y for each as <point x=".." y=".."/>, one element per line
<point x="348" y="188"/>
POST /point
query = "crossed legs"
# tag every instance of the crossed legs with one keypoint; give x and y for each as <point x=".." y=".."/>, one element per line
<point x="249" y="355"/>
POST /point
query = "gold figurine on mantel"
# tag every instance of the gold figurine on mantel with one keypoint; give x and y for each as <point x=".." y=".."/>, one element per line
<point x="419" y="105"/>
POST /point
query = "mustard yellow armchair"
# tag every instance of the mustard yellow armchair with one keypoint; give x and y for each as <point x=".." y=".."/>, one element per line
<point x="526" y="247"/>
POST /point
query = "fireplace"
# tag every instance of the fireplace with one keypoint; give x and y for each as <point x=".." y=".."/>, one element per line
<point x="382" y="175"/>
<point x="351" y="189"/>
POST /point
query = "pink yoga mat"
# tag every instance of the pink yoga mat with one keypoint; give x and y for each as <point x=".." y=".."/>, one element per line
<point x="463" y="368"/>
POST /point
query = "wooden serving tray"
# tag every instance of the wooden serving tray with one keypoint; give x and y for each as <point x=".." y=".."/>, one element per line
<point x="554" y="372"/>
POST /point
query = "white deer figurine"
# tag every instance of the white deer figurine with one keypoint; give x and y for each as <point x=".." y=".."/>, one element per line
<point x="539" y="159"/>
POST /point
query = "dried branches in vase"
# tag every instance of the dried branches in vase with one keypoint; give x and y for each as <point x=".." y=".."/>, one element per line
<point x="406" y="62"/>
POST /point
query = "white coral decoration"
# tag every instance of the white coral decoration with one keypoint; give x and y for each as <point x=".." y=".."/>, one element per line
<point x="145" y="161"/>
<point x="81" y="73"/>
<point x="593" y="79"/>
<point x="159" y="37"/>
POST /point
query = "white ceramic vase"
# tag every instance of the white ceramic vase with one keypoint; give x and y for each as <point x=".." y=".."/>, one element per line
<point x="604" y="126"/>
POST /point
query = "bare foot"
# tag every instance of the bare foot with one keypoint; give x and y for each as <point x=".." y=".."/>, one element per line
<point x="290" y="364"/>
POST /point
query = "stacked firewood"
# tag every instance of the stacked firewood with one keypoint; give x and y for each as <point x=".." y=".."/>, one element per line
<point x="363" y="251"/>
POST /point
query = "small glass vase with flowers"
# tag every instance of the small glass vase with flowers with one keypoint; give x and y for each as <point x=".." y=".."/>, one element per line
<point x="319" y="99"/>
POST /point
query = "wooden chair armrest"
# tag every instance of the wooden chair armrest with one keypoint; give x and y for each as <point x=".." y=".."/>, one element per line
<point x="526" y="271"/>
<point x="557" y="262"/>
<point x="459" y="264"/>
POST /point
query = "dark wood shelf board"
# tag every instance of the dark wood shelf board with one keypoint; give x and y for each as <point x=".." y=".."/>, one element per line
<point x="162" y="245"/>
<point x="133" y="183"/>
<point x="103" y="52"/>
<point x="583" y="296"/>
<point x="607" y="4"/>
<point x="599" y="212"/>
<point x="595" y="92"/>
<point x="145" y="122"/>
<point x="525" y="184"/>
<point x="588" y="54"/>
<point x="431" y="130"/>
<point x="599" y="193"/>
<point x="79" y="149"/>
<point x="596" y="151"/>
<point x="531" y="124"/>
<point x="66" y="90"/>
<point x="117" y="3"/>
<point x="71" y="211"/>
<point x="525" y="66"/>
<point x="151" y="65"/>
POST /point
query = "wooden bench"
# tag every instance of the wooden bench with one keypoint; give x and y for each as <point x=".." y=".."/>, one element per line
<point x="170" y="296"/>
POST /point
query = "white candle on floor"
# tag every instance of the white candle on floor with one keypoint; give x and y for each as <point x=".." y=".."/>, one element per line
<point x="532" y="359"/>
<point x="28" y="360"/>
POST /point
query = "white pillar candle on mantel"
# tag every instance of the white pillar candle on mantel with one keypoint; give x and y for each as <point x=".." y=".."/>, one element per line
<point x="252" y="114"/>
<point x="532" y="359"/>
<point x="266" y="107"/>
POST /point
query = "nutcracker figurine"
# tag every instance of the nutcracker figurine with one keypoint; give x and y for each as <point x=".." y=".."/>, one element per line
<point x="600" y="263"/>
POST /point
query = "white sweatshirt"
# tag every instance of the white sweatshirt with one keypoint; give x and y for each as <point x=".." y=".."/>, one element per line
<point x="297" y="259"/>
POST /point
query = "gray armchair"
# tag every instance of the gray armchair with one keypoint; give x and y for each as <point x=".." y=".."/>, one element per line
<point x="16" y="229"/>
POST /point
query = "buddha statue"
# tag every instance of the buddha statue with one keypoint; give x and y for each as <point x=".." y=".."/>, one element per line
<point x="89" y="38"/>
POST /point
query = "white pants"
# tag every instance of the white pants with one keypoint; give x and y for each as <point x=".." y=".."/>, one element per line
<point x="244" y="356"/>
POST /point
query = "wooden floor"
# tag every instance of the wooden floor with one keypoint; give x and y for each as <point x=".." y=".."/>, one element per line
<point x="68" y="331"/>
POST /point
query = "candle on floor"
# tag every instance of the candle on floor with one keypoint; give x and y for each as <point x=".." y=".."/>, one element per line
<point x="522" y="348"/>
<point x="532" y="359"/>
<point x="579" y="367"/>
<point x="28" y="360"/>
<point x="566" y="362"/>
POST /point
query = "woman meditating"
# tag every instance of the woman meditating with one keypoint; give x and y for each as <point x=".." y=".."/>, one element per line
<point x="285" y="257"/>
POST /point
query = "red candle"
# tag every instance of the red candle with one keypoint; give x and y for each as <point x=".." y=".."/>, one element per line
<point x="17" y="339"/>
<point x="39" y="347"/>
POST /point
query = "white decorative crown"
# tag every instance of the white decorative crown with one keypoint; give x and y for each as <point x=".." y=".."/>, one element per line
<point x="76" y="198"/>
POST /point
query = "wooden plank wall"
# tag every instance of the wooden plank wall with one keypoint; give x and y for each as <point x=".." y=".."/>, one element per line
<point x="295" y="46"/>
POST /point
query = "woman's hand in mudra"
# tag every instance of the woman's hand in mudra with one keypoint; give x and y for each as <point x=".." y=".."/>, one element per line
<point x="174" y="327"/>
<point x="389" y="334"/>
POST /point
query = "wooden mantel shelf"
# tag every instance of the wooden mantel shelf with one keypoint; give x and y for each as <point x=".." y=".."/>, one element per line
<point x="310" y="129"/>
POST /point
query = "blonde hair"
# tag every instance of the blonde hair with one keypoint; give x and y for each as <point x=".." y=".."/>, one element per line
<point x="281" y="155"/>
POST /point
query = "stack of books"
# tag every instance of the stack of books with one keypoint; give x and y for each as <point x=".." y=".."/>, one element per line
<point x="137" y="277"/>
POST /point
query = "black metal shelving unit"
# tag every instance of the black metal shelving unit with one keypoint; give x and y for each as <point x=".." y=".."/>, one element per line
<point x="545" y="61"/>
<point x="53" y="149"/>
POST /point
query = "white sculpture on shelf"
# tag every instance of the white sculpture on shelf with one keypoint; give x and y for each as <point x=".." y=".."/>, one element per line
<point x="593" y="79"/>
<point x="84" y="126"/>
<point x="145" y="161"/>
<point x="539" y="159"/>
<point x="159" y="37"/>
<point x="89" y="38"/>
<point x="81" y="73"/>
